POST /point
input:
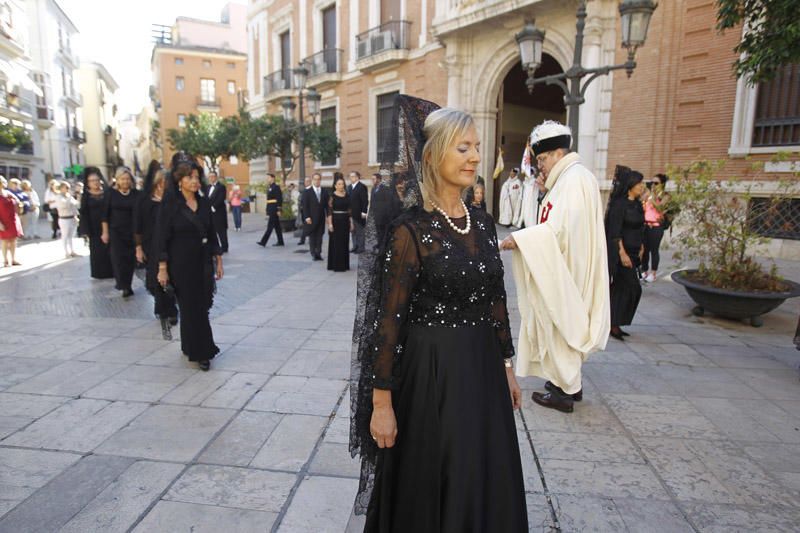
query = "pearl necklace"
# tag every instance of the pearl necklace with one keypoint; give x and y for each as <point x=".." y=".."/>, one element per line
<point x="450" y="222"/>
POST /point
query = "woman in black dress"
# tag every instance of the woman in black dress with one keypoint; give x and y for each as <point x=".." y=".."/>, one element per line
<point x="625" y="233"/>
<point x="339" y="226"/>
<point x="118" y="229"/>
<point x="144" y="222"/>
<point x="93" y="205"/>
<point x="433" y="414"/>
<point x="190" y="259"/>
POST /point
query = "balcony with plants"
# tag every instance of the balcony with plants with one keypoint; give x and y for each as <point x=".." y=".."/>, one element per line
<point x="15" y="139"/>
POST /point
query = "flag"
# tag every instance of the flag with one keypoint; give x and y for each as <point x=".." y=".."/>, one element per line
<point x="498" y="168"/>
<point x="525" y="166"/>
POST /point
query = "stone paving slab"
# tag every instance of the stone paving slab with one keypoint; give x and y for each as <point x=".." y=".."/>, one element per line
<point x="692" y="424"/>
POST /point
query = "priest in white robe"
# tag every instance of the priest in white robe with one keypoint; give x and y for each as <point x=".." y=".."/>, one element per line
<point x="510" y="199"/>
<point x="561" y="273"/>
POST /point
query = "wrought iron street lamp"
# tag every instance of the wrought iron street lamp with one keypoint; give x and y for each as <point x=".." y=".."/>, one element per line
<point x="635" y="15"/>
<point x="300" y="76"/>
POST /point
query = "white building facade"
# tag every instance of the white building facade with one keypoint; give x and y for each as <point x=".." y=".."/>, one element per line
<point x="100" y="120"/>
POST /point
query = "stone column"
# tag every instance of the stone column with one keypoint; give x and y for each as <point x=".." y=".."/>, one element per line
<point x="592" y="48"/>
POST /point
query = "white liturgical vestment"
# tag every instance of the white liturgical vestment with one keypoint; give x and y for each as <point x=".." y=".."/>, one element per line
<point x="510" y="201"/>
<point x="561" y="273"/>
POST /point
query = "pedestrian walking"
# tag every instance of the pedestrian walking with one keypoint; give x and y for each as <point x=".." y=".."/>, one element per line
<point x="561" y="272"/>
<point x="376" y="182"/>
<point x="190" y="259"/>
<point x="145" y="217"/>
<point x="15" y="187"/>
<point x="10" y="225"/>
<point x="31" y="224"/>
<point x="359" y="206"/>
<point x="300" y="216"/>
<point x="274" y="204"/>
<point x="67" y="207"/>
<point x="92" y="211"/>
<point x="217" y="194"/>
<point x="50" y="196"/>
<point x="315" y="209"/>
<point x="656" y="222"/>
<point x="624" y="225"/>
<point x="235" y="201"/>
<point x="340" y="224"/>
<point x="435" y="395"/>
<point x="118" y="229"/>
<point x="387" y="204"/>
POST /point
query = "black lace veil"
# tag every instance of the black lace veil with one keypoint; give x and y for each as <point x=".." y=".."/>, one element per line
<point x="402" y="156"/>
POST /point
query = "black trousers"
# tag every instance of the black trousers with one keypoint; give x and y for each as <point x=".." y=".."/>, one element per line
<point x="652" y="242"/>
<point x="273" y="223"/>
<point x="223" y="239"/>
<point x="315" y="241"/>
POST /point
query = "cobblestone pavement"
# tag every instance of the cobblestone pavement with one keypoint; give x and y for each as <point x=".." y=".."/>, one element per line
<point x="690" y="425"/>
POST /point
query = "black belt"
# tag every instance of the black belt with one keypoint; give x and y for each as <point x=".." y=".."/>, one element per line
<point x="71" y="216"/>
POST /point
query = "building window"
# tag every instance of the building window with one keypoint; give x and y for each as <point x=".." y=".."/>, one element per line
<point x="777" y="118"/>
<point x="179" y="83"/>
<point x="231" y="87"/>
<point x="179" y="61"/>
<point x="206" y="63"/>
<point x="208" y="90"/>
<point x="384" y="125"/>
<point x="181" y="121"/>
<point x="230" y="64"/>
<point x="327" y="120"/>
<point x="779" y="220"/>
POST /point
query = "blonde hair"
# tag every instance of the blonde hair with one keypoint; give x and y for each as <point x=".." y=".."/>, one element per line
<point x="122" y="171"/>
<point x="159" y="177"/>
<point x="442" y="129"/>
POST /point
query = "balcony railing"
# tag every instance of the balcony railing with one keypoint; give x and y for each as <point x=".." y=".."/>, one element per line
<point x="278" y="81"/>
<point x="328" y="61"/>
<point x="392" y="35"/>
<point x="208" y="102"/>
<point x="44" y="112"/>
<point x="66" y="53"/>
<point x="78" y="135"/>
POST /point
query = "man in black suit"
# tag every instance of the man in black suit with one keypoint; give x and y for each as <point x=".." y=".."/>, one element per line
<point x="359" y="203"/>
<point x="301" y="218"/>
<point x="315" y="209"/>
<point x="274" y="203"/>
<point x="217" y="193"/>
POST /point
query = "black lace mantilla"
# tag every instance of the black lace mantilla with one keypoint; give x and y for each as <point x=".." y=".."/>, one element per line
<point x="418" y="271"/>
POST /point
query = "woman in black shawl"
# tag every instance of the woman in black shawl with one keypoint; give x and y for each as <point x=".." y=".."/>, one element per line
<point x="190" y="258"/>
<point x="144" y="222"/>
<point x="118" y="228"/>
<point x="625" y="234"/>
<point x="93" y="203"/>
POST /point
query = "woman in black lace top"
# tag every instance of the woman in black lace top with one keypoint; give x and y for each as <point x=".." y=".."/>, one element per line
<point x="443" y="390"/>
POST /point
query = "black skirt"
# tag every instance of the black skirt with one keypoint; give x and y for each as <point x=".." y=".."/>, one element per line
<point x="99" y="258"/>
<point x="455" y="466"/>
<point x="626" y="291"/>
<point x="338" y="243"/>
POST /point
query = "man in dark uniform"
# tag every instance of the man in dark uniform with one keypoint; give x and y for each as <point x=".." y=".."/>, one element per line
<point x="217" y="193"/>
<point x="301" y="216"/>
<point x="359" y="203"/>
<point x="315" y="208"/>
<point x="274" y="203"/>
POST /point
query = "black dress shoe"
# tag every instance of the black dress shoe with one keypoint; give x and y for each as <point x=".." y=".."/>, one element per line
<point x="554" y="400"/>
<point x="617" y="335"/>
<point x="173" y="321"/>
<point x="205" y="365"/>
<point x="127" y="293"/>
<point x="624" y="333"/>
<point x="278" y="244"/>
<point x="261" y="244"/>
<point x="578" y="396"/>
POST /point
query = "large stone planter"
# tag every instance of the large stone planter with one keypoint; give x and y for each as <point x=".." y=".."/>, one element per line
<point x="733" y="304"/>
<point x="288" y="225"/>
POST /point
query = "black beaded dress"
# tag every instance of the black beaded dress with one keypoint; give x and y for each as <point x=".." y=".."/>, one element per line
<point x="625" y="222"/>
<point x="119" y="216"/>
<point x="442" y="335"/>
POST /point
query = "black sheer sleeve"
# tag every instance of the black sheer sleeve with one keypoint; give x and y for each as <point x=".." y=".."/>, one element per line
<point x="138" y="220"/>
<point x="401" y="267"/>
<point x="106" y="213"/>
<point x="500" y="320"/>
<point x="163" y="231"/>
<point x="614" y="220"/>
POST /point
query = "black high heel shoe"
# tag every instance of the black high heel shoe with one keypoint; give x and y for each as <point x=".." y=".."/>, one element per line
<point x="205" y="366"/>
<point x="617" y="334"/>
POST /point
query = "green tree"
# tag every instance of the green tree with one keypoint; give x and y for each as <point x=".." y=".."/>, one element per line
<point x="274" y="136"/>
<point x="772" y="39"/>
<point x="207" y="136"/>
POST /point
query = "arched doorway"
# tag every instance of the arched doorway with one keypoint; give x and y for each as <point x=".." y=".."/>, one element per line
<point x="518" y="112"/>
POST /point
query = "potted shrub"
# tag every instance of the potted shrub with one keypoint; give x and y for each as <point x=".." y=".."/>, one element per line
<point x="288" y="214"/>
<point x="719" y="223"/>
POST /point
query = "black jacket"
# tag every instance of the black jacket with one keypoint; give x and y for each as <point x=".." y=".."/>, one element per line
<point x="313" y="209"/>
<point x="359" y="202"/>
<point x="217" y="201"/>
<point x="274" y="199"/>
